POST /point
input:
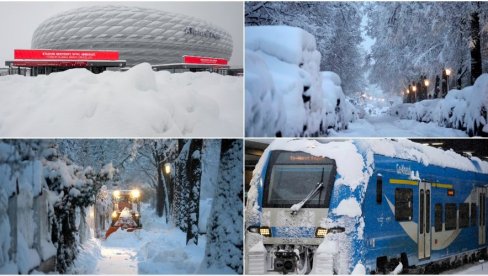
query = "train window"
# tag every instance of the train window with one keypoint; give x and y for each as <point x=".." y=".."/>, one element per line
<point x="292" y="176"/>
<point x="438" y="217"/>
<point x="403" y="204"/>
<point x="451" y="216"/>
<point x="463" y="215"/>
<point x="473" y="214"/>
<point x="379" y="188"/>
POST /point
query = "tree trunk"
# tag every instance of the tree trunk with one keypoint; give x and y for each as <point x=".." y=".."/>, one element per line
<point x="476" y="69"/>
<point x="194" y="173"/>
<point x="159" y="194"/>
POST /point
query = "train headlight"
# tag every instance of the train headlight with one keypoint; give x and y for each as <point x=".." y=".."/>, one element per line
<point x="265" y="231"/>
<point x="135" y="193"/>
<point x="320" y="232"/>
<point x="116" y="194"/>
<point x="114" y="214"/>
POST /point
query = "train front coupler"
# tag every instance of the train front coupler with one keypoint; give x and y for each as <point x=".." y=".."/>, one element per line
<point x="285" y="261"/>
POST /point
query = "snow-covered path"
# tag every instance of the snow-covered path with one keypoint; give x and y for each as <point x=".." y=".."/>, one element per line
<point x="388" y="126"/>
<point x="158" y="248"/>
<point x="124" y="258"/>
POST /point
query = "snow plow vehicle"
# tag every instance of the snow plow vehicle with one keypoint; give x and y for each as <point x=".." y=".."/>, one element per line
<point x="126" y="211"/>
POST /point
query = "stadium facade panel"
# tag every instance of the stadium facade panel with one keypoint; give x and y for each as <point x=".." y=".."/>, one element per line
<point x="139" y="34"/>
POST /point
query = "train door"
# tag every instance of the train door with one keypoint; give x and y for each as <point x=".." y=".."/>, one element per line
<point x="424" y="228"/>
<point x="482" y="216"/>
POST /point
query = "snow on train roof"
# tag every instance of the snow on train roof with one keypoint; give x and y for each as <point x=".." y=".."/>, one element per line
<point x="427" y="155"/>
<point x="349" y="159"/>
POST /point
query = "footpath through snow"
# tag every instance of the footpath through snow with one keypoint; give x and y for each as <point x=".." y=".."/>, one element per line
<point x="158" y="248"/>
<point x="388" y="126"/>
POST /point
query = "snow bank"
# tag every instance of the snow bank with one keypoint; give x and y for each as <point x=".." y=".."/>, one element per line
<point x="464" y="109"/>
<point x="139" y="102"/>
<point x="339" y="112"/>
<point x="284" y="92"/>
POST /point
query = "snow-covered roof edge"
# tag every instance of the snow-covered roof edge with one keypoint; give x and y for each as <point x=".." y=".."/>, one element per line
<point x="398" y="148"/>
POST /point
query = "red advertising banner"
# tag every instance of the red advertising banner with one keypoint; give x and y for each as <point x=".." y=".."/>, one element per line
<point x="31" y="63"/>
<point x="204" y="60"/>
<point x="65" y="54"/>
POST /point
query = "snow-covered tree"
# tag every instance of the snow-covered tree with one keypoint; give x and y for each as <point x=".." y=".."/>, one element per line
<point x="424" y="38"/>
<point x="335" y="25"/>
<point x="194" y="172"/>
<point x="224" y="228"/>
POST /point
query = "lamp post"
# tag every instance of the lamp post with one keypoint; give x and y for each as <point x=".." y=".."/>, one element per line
<point x="414" y="89"/>
<point x="426" y="84"/>
<point x="448" y="73"/>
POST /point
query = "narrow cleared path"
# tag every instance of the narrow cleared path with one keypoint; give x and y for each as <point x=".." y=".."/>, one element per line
<point x="117" y="260"/>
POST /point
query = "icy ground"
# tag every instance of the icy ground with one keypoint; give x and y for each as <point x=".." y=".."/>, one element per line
<point x="385" y="125"/>
<point x="158" y="248"/>
<point x="136" y="103"/>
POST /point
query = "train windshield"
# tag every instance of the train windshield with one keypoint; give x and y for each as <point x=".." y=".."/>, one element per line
<point x="294" y="175"/>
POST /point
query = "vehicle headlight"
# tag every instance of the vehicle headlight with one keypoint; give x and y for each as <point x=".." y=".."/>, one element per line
<point x="265" y="231"/>
<point x="116" y="194"/>
<point x="135" y="193"/>
<point x="114" y="214"/>
<point x="320" y="232"/>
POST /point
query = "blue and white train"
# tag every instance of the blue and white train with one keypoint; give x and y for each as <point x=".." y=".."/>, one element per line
<point x="370" y="206"/>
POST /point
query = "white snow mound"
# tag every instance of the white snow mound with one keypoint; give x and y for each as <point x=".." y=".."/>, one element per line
<point x="139" y="102"/>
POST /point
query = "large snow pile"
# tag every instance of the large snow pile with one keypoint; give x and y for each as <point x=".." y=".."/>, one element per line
<point x="339" y="111"/>
<point x="464" y="109"/>
<point x="284" y="93"/>
<point x="139" y="102"/>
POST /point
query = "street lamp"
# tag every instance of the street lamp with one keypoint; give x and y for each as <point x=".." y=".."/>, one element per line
<point x="426" y="82"/>
<point x="167" y="168"/>
<point x="448" y="73"/>
<point x="414" y="89"/>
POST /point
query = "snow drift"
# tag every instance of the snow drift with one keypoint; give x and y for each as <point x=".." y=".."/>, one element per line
<point x="139" y="102"/>
<point x="464" y="109"/>
<point x="284" y="91"/>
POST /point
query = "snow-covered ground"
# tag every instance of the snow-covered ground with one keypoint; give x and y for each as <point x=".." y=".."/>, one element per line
<point x="388" y="126"/>
<point x="470" y="269"/>
<point x="157" y="248"/>
<point x="139" y="102"/>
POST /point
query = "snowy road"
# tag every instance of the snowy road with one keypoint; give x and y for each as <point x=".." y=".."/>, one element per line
<point x="388" y="126"/>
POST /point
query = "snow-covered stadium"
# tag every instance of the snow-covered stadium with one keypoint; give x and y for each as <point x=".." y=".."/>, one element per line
<point x="139" y="34"/>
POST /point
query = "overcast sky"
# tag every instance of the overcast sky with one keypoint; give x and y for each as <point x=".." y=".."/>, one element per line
<point x="20" y="19"/>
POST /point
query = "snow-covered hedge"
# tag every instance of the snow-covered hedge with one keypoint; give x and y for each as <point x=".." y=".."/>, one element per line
<point x="464" y="109"/>
<point x="45" y="195"/>
<point x="285" y="95"/>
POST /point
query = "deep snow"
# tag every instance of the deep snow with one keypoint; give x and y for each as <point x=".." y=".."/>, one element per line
<point x="157" y="248"/>
<point x="136" y="103"/>
<point x="388" y="126"/>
